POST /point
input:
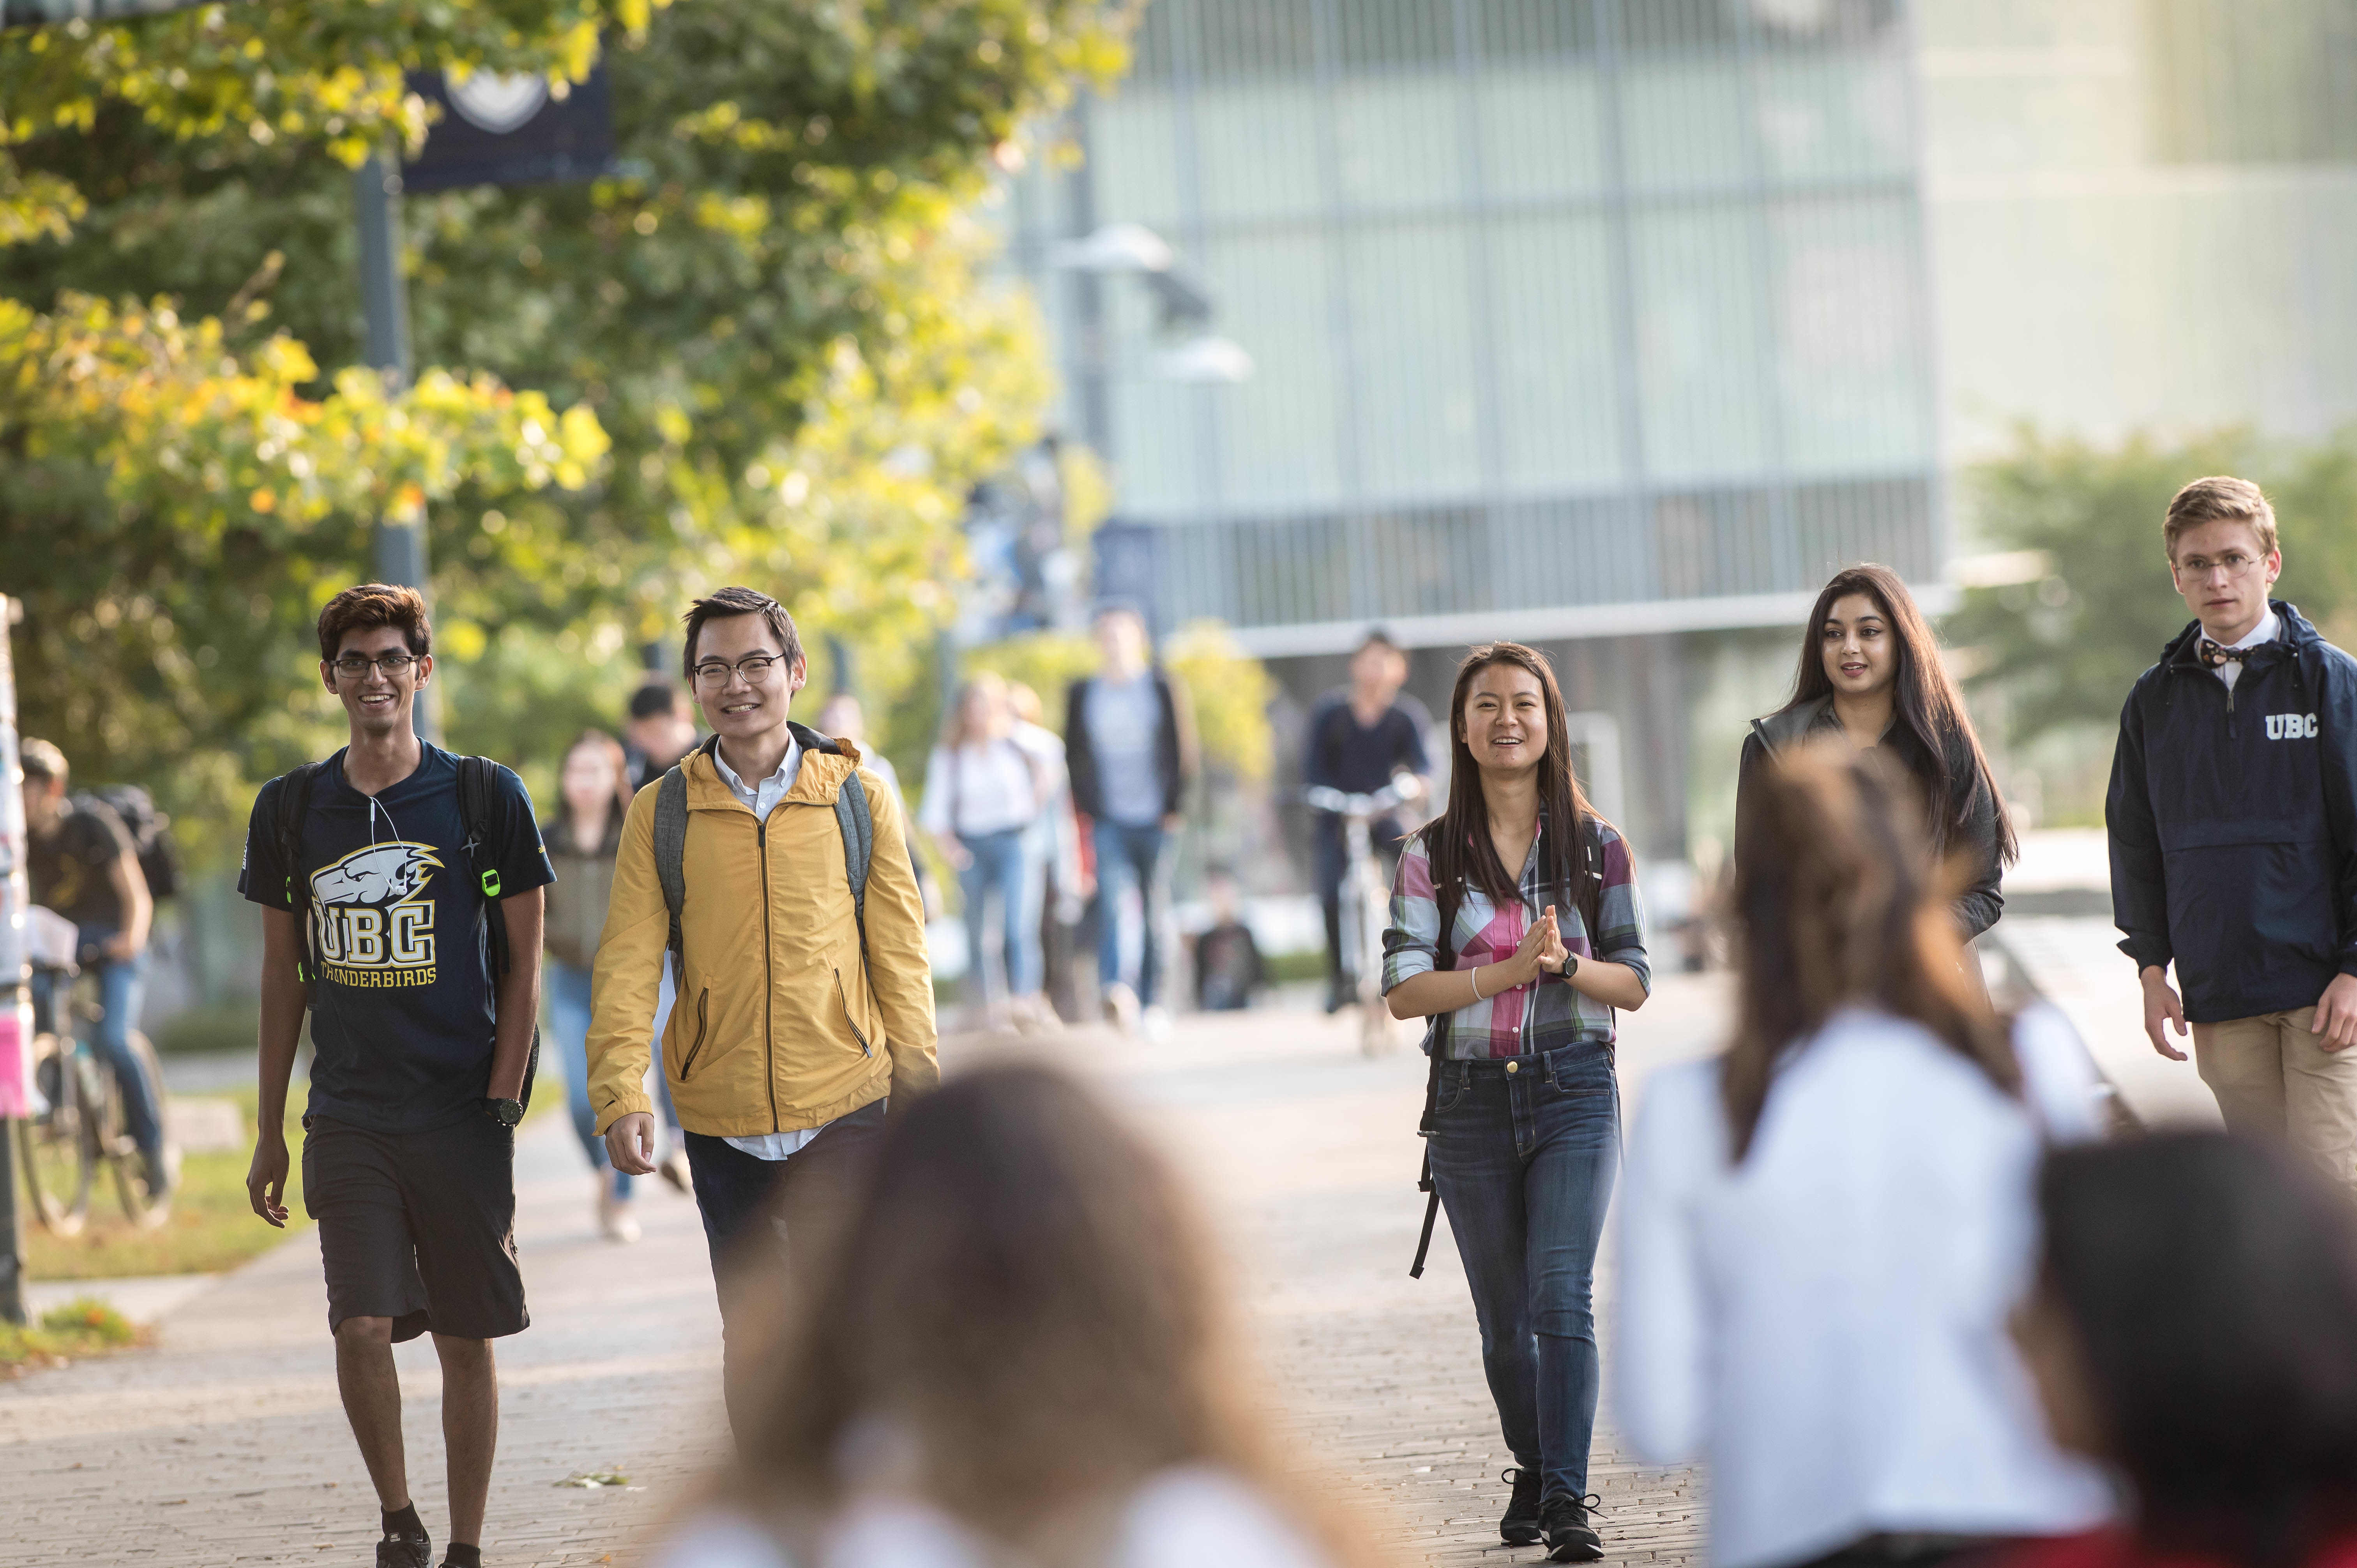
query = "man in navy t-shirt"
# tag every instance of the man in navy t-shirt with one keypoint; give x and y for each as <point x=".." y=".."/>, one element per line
<point x="421" y="1052"/>
<point x="1359" y="737"/>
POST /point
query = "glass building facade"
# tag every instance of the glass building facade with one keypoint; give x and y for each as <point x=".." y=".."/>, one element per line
<point x="1569" y="318"/>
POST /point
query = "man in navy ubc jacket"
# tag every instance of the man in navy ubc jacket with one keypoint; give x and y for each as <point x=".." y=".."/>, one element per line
<point x="2232" y="818"/>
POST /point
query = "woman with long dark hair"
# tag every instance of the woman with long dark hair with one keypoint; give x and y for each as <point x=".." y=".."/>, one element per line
<point x="1013" y="1349"/>
<point x="1870" y="674"/>
<point x="1826" y="1226"/>
<point x="2194" y="1330"/>
<point x="1516" y="928"/>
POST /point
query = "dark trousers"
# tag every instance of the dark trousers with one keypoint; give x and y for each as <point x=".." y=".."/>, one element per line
<point x="1525" y="1162"/>
<point x="121" y="982"/>
<point x="760" y="1218"/>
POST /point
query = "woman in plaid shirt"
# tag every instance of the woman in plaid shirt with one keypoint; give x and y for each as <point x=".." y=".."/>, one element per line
<point x="1526" y="1133"/>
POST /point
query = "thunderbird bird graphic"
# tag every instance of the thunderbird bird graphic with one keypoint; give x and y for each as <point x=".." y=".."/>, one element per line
<point x="381" y="873"/>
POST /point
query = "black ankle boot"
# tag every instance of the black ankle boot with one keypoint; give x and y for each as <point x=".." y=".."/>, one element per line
<point x="1519" y="1527"/>
<point x="1568" y="1536"/>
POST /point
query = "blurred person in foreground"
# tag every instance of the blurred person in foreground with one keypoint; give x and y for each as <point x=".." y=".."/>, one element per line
<point x="1018" y="1353"/>
<point x="1129" y="738"/>
<point x="2194" y="1331"/>
<point x="1516" y="927"/>
<point x="1871" y="675"/>
<point x="984" y="794"/>
<point x="82" y="864"/>
<point x="1825" y="1226"/>
<point x="582" y="843"/>
<point x="807" y="1004"/>
<point x="1361" y="738"/>
<point x="2232" y="819"/>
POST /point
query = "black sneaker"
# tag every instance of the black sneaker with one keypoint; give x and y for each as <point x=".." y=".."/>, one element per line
<point x="1568" y="1536"/>
<point x="1519" y="1527"/>
<point x="405" y="1552"/>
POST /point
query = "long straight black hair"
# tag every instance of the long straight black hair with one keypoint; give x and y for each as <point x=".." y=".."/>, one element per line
<point x="1459" y="844"/>
<point x="1946" y="755"/>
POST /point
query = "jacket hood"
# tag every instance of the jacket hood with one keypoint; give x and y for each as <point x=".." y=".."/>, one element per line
<point x="827" y="765"/>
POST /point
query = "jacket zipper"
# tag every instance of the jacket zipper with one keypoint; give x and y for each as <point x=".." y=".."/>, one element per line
<point x="768" y="980"/>
<point x="689" y="1061"/>
<point x="843" y="998"/>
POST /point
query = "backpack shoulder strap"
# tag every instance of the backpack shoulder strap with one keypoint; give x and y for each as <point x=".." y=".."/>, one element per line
<point x="670" y="859"/>
<point x="1591" y="877"/>
<point x="859" y="829"/>
<point x="480" y="801"/>
<point x="1448" y="897"/>
<point x="294" y="804"/>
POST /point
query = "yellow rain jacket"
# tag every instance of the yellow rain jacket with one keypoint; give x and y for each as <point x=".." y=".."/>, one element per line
<point x="779" y="1026"/>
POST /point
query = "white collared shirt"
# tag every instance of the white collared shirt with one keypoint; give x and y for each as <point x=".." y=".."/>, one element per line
<point x="763" y="798"/>
<point x="2231" y="670"/>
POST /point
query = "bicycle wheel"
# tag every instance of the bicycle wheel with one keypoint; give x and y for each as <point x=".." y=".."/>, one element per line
<point x="1364" y="935"/>
<point x="59" y="1154"/>
<point x="140" y="1206"/>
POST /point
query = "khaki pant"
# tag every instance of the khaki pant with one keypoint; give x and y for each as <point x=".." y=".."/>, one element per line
<point x="2273" y="1077"/>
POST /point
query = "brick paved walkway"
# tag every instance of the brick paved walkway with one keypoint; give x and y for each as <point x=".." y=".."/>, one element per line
<point x="225" y="1444"/>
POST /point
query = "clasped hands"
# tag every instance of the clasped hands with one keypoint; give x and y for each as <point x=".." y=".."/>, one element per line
<point x="1540" y="953"/>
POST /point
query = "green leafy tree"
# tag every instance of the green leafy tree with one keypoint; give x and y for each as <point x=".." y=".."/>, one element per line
<point x="774" y="320"/>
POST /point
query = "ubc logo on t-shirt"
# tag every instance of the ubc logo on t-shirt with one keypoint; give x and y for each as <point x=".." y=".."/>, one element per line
<point x="2291" y="726"/>
<point x="372" y="922"/>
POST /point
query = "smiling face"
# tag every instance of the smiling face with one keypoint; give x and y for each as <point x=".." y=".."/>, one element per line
<point x="1504" y="719"/>
<point x="2224" y="576"/>
<point x="733" y="707"/>
<point x="377" y="704"/>
<point x="1860" y="652"/>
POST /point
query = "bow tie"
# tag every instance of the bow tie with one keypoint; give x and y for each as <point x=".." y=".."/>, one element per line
<point x="2215" y="654"/>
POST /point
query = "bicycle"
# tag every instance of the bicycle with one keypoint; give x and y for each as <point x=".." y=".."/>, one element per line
<point x="80" y="1123"/>
<point x="1365" y="898"/>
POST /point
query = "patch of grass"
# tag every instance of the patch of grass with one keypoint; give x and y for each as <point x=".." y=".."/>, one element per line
<point x="212" y="1225"/>
<point x="1289" y="968"/>
<point x="216" y="1027"/>
<point x="80" y="1327"/>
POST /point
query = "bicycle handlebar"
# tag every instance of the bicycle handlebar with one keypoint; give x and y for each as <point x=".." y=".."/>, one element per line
<point x="1399" y="792"/>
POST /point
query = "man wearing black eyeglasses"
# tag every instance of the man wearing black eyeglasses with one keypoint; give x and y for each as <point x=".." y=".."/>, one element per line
<point x="805" y="1001"/>
<point x="378" y="885"/>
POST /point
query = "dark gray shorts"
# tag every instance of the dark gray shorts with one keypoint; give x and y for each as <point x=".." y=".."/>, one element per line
<point x="418" y="1226"/>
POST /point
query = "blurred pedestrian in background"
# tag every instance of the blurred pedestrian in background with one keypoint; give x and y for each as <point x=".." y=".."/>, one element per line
<point x="1871" y="675"/>
<point x="1018" y="1354"/>
<point x="658" y="731"/>
<point x="594" y="788"/>
<point x="1359" y="737"/>
<point x="1229" y="968"/>
<point x="2234" y="837"/>
<point x="985" y="793"/>
<point x="1516" y="928"/>
<point x="2194" y="1331"/>
<point x="1826" y="1226"/>
<point x="1129" y="734"/>
<point x="1066" y="878"/>
<point x="82" y="864"/>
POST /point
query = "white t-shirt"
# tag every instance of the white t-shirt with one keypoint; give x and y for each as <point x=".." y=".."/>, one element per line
<point x="1187" y="1517"/>
<point x="988" y="787"/>
<point x="1824" y="1323"/>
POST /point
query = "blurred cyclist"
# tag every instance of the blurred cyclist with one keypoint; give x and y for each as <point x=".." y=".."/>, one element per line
<point x="83" y="867"/>
<point x="1359" y="737"/>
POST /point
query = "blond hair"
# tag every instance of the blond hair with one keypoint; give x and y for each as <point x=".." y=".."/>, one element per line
<point x="2220" y="498"/>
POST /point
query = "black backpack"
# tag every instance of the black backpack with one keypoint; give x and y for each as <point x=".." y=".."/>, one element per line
<point x="482" y="806"/>
<point x="1590" y="904"/>
<point x="151" y="836"/>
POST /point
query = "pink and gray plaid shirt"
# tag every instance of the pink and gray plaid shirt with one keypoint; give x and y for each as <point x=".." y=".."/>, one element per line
<point x="1525" y="1019"/>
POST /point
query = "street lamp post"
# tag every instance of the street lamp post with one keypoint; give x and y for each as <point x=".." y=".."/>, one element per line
<point x="400" y="546"/>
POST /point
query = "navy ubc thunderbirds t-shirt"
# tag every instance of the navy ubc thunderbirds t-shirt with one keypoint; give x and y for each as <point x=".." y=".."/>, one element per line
<point x="404" y="1018"/>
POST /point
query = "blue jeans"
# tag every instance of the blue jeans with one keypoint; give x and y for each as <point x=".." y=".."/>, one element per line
<point x="120" y="984"/>
<point x="568" y="990"/>
<point x="1007" y="864"/>
<point x="1129" y="856"/>
<point x="1525" y="1163"/>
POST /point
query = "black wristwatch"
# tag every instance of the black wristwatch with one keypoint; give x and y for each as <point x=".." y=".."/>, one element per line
<point x="1570" y="965"/>
<point x="506" y="1112"/>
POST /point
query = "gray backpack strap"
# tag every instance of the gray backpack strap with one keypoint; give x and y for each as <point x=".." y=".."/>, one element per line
<point x="859" y="847"/>
<point x="671" y="859"/>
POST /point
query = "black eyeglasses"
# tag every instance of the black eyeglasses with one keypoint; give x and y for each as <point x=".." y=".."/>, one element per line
<point x="754" y="667"/>
<point x="354" y="667"/>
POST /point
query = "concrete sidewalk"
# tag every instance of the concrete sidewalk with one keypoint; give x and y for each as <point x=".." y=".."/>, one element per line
<point x="226" y="1442"/>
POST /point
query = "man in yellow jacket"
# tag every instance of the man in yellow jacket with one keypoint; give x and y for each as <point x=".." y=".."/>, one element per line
<point x="787" y="1039"/>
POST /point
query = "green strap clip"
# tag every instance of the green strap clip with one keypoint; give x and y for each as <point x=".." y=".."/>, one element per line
<point x="492" y="884"/>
